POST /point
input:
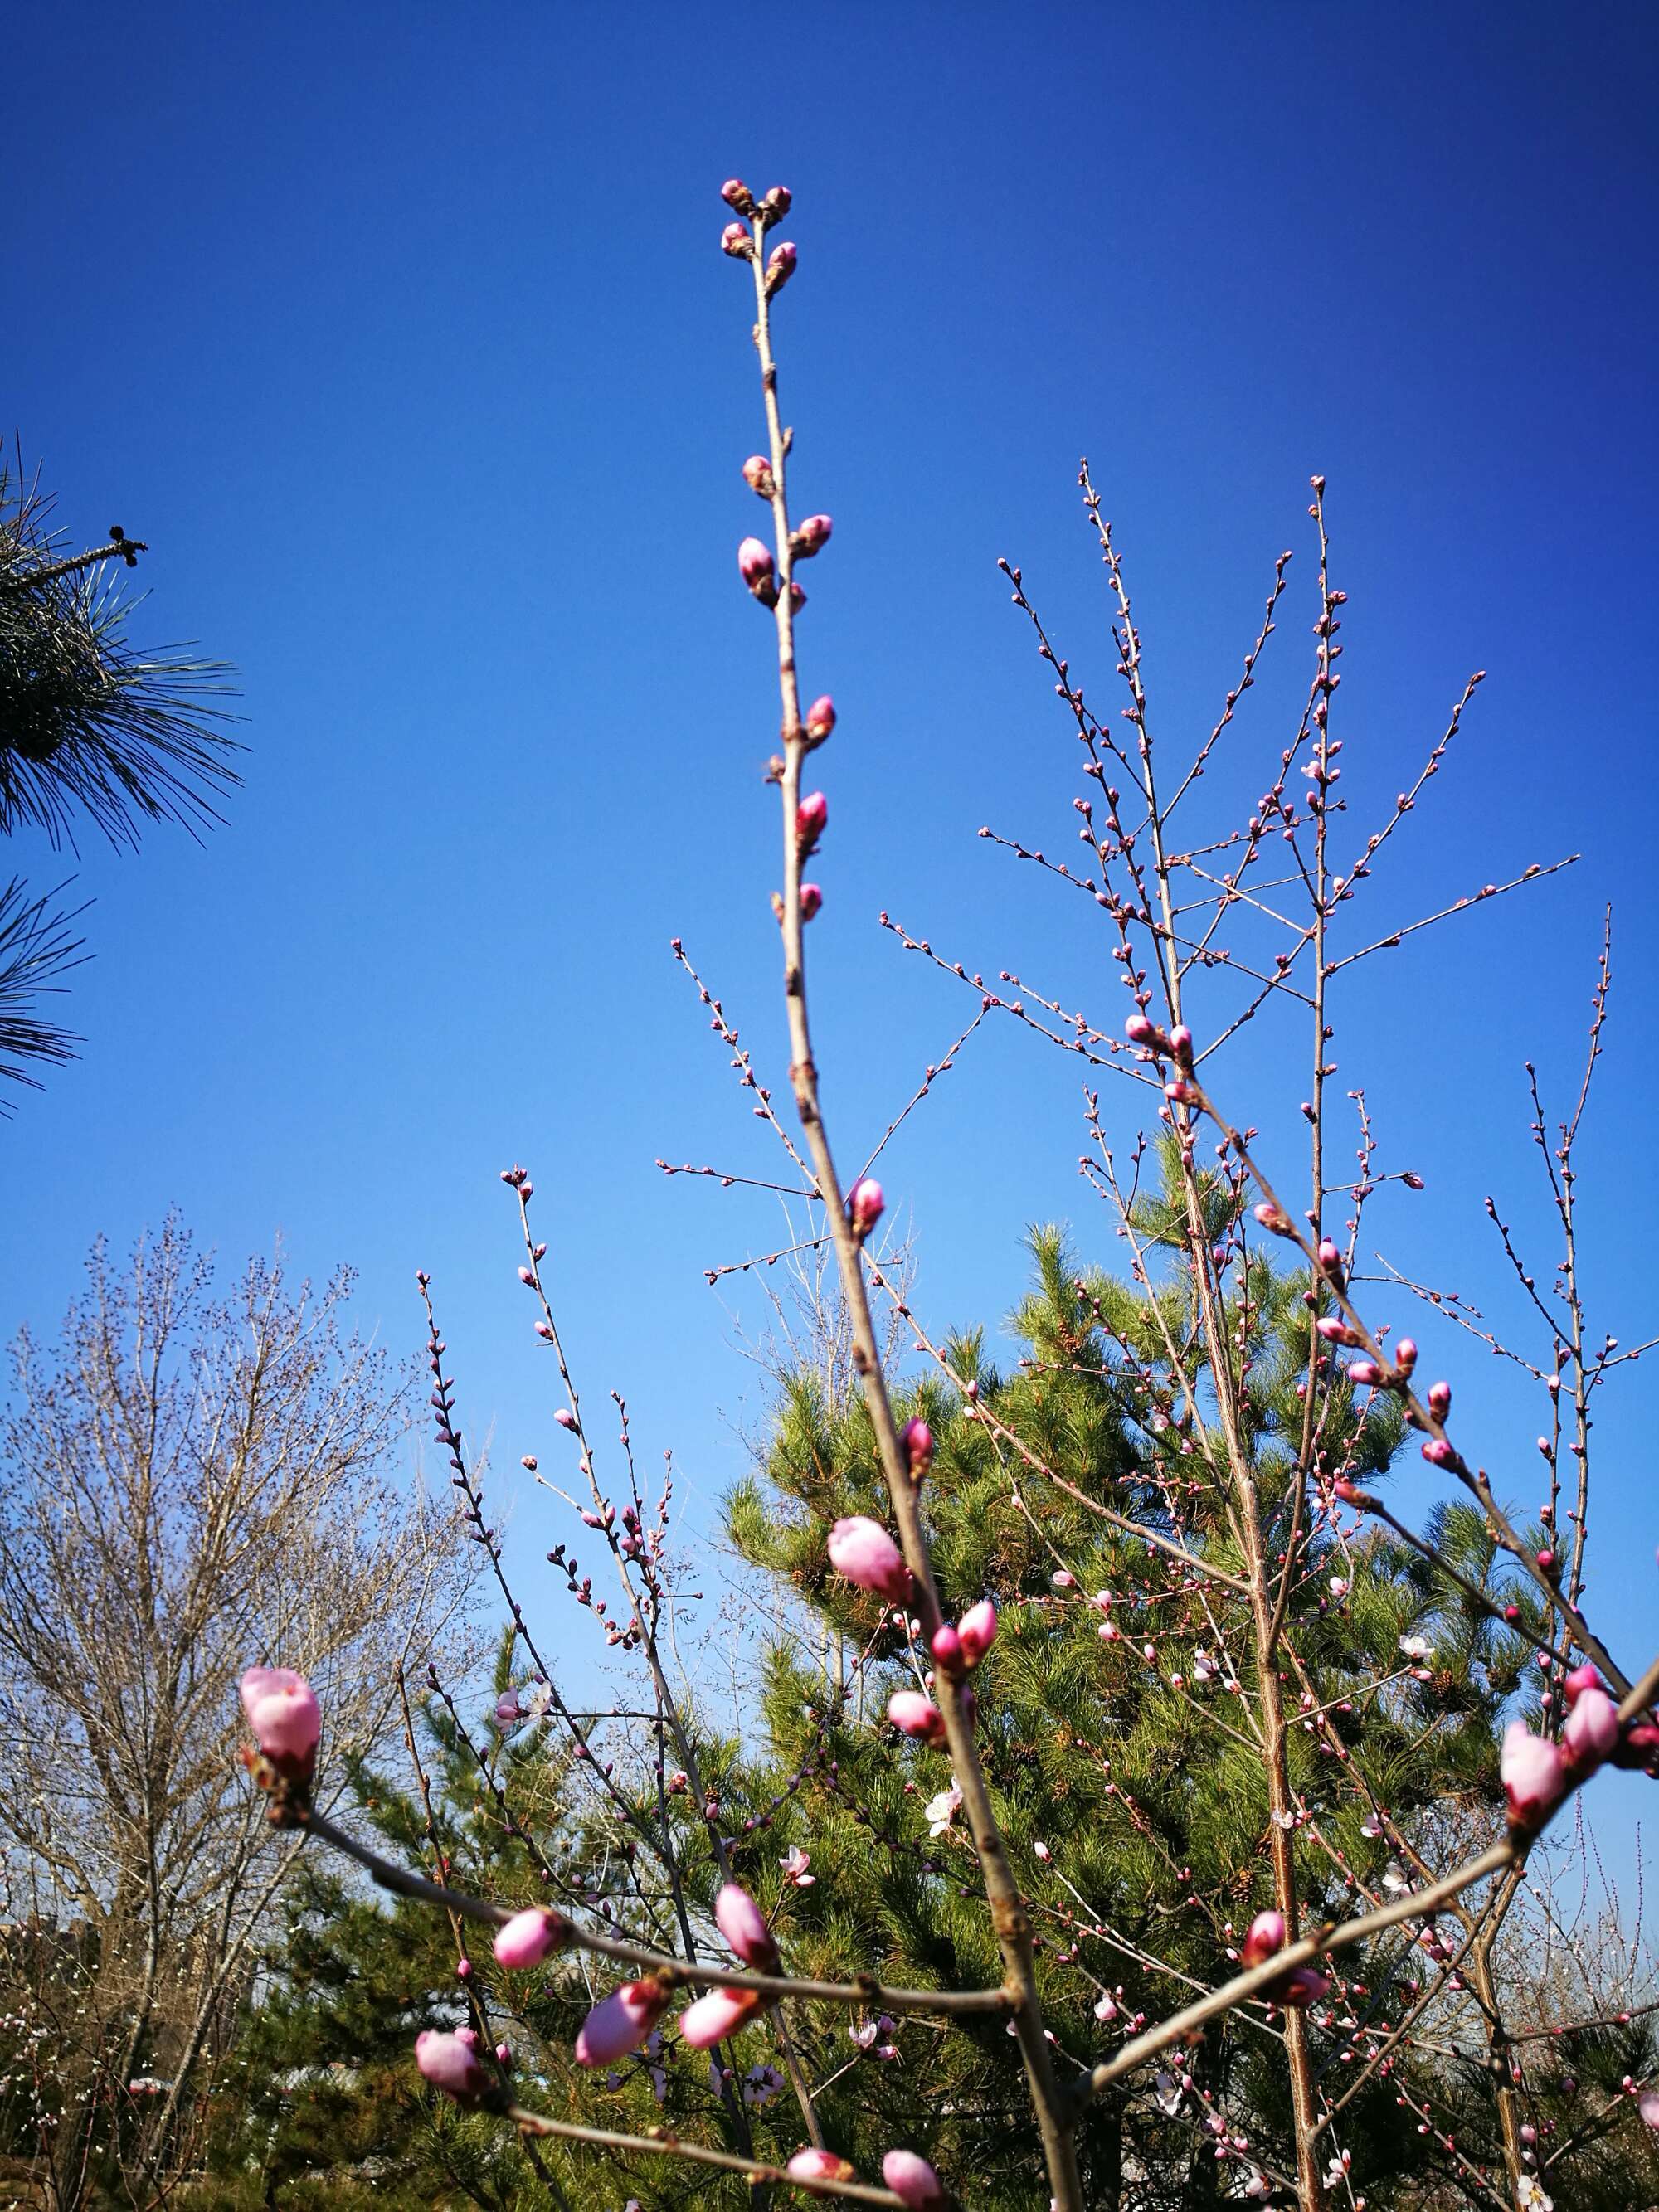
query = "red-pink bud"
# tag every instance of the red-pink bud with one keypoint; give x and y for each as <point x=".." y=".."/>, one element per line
<point x="918" y="1446"/>
<point x="811" y="820"/>
<point x="734" y="239"/>
<point x="1580" y="1680"/>
<point x="451" y="2063"/>
<point x="1438" y="1452"/>
<point x="1273" y="1217"/>
<point x="714" y="2017"/>
<point x="1181" y="1042"/>
<point x="620" y="2022"/>
<point x="820" y="2166"/>
<point x="530" y="1937"/>
<point x="1266" y="1937"/>
<point x="757" y="475"/>
<point x="1363" y="1372"/>
<point x="565" y="1418"/>
<point x="811" y="899"/>
<point x="811" y="536"/>
<point x="778" y="202"/>
<point x="866" y="1203"/>
<point x="820" y="717"/>
<point x="1533" y="1775"/>
<point x="755" y="563"/>
<point x="1139" y="1030"/>
<point x="912" y="2180"/>
<point x="862" y="1551"/>
<point x="738" y="196"/>
<point x="949" y="1657"/>
<point x="1404" y="1355"/>
<point x="797" y="599"/>
<point x="1301" y="1987"/>
<point x="282" y="1712"/>
<point x="1591" y="1732"/>
<point x="1440" y="1399"/>
<point x="978" y="1631"/>
<point x="917" y="1716"/>
<point x="1334" y="1329"/>
<point x="780" y="266"/>
<point x="743" y="1923"/>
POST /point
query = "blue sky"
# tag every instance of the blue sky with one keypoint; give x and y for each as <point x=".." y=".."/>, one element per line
<point x="401" y="334"/>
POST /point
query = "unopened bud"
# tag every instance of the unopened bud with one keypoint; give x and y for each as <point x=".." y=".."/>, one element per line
<point x="757" y="475"/>
<point x="865" y="1206"/>
<point x="1440" y="1399"/>
<point x="777" y="204"/>
<point x="811" y="819"/>
<point x="780" y="266"/>
<point x="811" y="536"/>
<point x="738" y="196"/>
<point x="734" y="240"/>
<point x="811" y="898"/>
<point x="820" y="717"/>
<point x="758" y="571"/>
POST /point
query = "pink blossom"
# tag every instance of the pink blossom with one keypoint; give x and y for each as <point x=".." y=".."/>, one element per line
<point x="866" y="1203"/>
<point x="1265" y="1936"/>
<point x="714" y="2017"/>
<point x="978" y="1631"/>
<point x="530" y="1937"/>
<point x="820" y="717"/>
<point x="794" y="1864"/>
<point x="1534" y="1778"/>
<point x="282" y="1712"/>
<point x="917" y="1716"/>
<point x="620" y="2022"/>
<point x="1591" y="1732"/>
<point x="743" y="1923"/>
<point x="450" y="2063"/>
<point x="912" y="2180"/>
<point x="862" y="1550"/>
<point x="820" y="2166"/>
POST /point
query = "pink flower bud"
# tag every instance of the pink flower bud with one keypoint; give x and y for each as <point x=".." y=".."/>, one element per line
<point x="282" y="1712"/>
<point x="797" y="599"/>
<point x="1265" y="1938"/>
<point x="778" y="202"/>
<point x="1638" y="1746"/>
<point x="1181" y="1042"/>
<point x="811" y="900"/>
<point x="820" y="717"/>
<point x="947" y="1652"/>
<point x="757" y="475"/>
<point x="1363" y="1372"/>
<point x="820" y="2166"/>
<point x="1301" y="1987"/>
<point x="811" y="820"/>
<point x="1334" y="1329"/>
<point x="755" y="563"/>
<point x="1580" y="1680"/>
<point x="780" y="266"/>
<point x="451" y="2063"/>
<point x="1648" y="2106"/>
<point x="530" y="1937"/>
<point x="503" y="2054"/>
<point x="1534" y="1779"/>
<point x="620" y="2022"/>
<point x="912" y="2180"/>
<point x="1404" y="1355"/>
<point x="734" y="239"/>
<point x="1139" y="1030"/>
<point x="1438" y="1452"/>
<point x="917" y="1716"/>
<point x="714" y="2017"/>
<point x="1591" y="1732"/>
<point x="1440" y="1399"/>
<point x="919" y="1448"/>
<point x="464" y="1969"/>
<point x="1273" y="1217"/>
<point x="865" y="1205"/>
<point x="743" y="1923"/>
<point x="738" y="196"/>
<point x="1330" y="1259"/>
<point x="978" y="1629"/>
<point x="565" y="1418"/>
<point x="811" y="536"/>
<point x="862" y="1550"/>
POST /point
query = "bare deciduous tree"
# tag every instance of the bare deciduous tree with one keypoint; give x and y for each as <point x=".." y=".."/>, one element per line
<point x="189" y="1484"/>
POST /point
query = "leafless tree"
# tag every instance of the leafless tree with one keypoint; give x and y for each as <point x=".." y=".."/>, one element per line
<point x="189" y="1484"/>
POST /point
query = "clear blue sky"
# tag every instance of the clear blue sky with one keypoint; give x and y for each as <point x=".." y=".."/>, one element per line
<point x="401" y="333"/>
